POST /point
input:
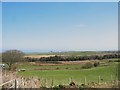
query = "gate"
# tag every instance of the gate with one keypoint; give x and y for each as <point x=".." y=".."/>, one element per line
<point x="8" y="85"/>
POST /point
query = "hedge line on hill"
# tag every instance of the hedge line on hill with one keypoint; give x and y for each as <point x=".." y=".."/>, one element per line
<point x="73" y="58"/>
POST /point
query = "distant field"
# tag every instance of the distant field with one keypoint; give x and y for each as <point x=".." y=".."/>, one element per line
<point x="67" y="72"/>
<point x="71" y="53"/>
<point x="62" y="65"/>
<point x="38" y="56"/>
<point x="49" y="66"/>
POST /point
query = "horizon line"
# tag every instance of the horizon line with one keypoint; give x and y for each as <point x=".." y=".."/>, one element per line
<point x="52" y="51"/>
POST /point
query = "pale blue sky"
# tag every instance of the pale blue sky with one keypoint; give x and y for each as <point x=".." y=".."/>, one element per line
<point x="60" y="0"/>
<point x="60" y="26"/>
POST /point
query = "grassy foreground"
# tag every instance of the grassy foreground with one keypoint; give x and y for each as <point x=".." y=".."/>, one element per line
<point x="64" y="76"/>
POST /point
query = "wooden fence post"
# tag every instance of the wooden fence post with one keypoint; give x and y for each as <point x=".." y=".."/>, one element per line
<point x="15" y="84"/>
<point x="45" y="82"/>
<point x="99" y="79"/>
<point x="85" y="81"/>
<point x="52" y="83"/>
<point x="71" y="79"/>
<point x="111" y="78"/>
<point x="80" y="81"/>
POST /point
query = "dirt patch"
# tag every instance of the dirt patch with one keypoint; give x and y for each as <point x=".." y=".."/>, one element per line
<point x="39" y="56"/>
<point x="76" y="62"/>
<point x="61" y="63"/>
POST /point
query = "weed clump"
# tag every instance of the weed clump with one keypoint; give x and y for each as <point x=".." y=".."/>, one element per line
<point x="87" y="65"/>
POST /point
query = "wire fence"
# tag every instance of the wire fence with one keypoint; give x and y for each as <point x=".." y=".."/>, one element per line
<point x="31" y="82"/>
<point x="10" y="80"/>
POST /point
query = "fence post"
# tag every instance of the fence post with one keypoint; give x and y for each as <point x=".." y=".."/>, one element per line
<point x="52" y="83"/>
<point x="15" y="84"/>
<point x="80" y="81"/>
<point x="99" y="79"/>
<point x="71" y="79"/>
<point x="111" y="78"/>
<point x="85" y="80"/>
<point x="45" y="82"/>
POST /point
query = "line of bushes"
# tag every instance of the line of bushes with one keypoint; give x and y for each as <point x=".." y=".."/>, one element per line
<point x="73" y="58"/>
<point x="90" y="65"/>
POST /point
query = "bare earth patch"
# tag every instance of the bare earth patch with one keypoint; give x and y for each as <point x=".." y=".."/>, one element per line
<point x="39" y="56"/>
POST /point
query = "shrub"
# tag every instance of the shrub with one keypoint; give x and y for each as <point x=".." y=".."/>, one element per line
<point x="96" y="64"/>
<point x="87" y="65"/>
<point x="57" y="68"/>
<point x="66" y="68"/>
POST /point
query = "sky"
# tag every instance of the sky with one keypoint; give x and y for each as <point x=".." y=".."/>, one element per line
<point x="60" y="0"/>
<point x="65" y="26"/>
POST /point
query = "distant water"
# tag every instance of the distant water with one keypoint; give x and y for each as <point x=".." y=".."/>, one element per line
<point x="48" y="51"/>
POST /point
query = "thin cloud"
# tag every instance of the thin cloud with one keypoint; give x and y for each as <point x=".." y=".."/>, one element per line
<point x="80" y="25"/>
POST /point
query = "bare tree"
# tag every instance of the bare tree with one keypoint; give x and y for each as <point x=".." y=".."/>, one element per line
<point x="10" y="57"/>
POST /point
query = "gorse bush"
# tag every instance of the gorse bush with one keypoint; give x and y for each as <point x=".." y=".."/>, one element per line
<point x="87" y="65"/>
<point x="56" y="58"/>
<point x="90" y="65"/>
<point x="96" y="64"/>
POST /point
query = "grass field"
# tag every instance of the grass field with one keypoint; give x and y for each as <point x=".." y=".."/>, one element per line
<point x="63" y="75"/>
<point x="71" y="53"/>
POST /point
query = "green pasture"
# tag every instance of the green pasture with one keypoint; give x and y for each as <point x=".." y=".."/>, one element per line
<point x="50" y="67"/>
<point x="64" y="76"/>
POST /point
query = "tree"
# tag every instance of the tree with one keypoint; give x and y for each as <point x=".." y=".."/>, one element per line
<point x="10" y="57"/>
